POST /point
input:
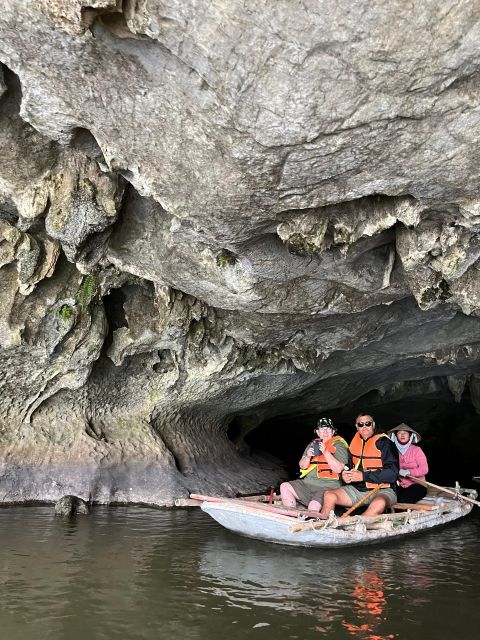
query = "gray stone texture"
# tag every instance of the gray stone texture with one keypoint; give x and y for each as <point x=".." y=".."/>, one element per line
<point x="226" y="209"/>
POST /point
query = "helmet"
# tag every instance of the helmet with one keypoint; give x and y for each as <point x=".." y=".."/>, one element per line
<point x="325" y="422"/>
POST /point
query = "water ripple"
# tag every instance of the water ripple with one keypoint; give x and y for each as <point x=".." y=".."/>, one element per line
<point x="132" y="573"/>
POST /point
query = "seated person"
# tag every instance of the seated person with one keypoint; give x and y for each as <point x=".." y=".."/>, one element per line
<point x="373" y="464"/>
<point x="321" y="465"/>
<point x="412" y="463"/>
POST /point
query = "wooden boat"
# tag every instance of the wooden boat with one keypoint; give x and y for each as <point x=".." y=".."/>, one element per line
<point x="254" y="518"/>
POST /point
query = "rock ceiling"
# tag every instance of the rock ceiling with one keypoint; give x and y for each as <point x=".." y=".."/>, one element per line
<point x="232" y="208"/>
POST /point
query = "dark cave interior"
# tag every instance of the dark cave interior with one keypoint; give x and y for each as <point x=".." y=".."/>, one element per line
<point x="449" y="429"/>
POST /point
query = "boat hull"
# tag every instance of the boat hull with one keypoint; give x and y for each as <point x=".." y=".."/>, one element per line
<point x="278" y="528"/>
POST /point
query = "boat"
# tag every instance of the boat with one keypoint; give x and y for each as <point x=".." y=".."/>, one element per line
<point x="254" y="517"/>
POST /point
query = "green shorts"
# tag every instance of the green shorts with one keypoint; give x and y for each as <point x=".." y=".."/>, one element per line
<point x="308" y="491"/>
<point x="355" y="495"/>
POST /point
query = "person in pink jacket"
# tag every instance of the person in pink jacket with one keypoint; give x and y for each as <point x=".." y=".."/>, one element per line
<point x="412" y="463"/>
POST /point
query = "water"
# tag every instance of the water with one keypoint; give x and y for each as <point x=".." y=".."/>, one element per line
<point x="133" y="572"/>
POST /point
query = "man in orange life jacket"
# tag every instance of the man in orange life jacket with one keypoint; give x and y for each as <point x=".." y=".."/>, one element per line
<point x="320" y="467"/>
<point x="373" y="463"/>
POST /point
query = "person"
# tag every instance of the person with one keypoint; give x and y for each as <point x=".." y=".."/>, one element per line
<point x="320" y="467"/>
<point x="413" y="462"/>
<point x="373" y="464"/>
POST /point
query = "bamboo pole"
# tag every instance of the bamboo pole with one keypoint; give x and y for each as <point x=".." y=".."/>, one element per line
<point x="400" y="506"/>
<point x="360" y="502"/>
<point x="353" y="520"/>
<point x="443" y="489"/>
<point x="186" y="502"/>
<point x="270" y="508"/>
<point x="257" y="498"/>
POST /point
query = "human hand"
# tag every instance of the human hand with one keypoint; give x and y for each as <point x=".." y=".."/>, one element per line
<point x="352" y="476"/>
<point x="404" y="472"/>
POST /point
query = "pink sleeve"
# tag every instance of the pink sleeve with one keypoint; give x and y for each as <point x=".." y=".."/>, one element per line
<point x="421" y="468"/>
<point x="409" y="464"/>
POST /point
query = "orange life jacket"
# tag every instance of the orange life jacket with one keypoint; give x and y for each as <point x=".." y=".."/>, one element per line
<point x="323" y="470"/>
<point x="366" y="455"/>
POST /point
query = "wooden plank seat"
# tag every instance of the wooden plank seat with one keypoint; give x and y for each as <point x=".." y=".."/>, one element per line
<point x="400" y="506"/>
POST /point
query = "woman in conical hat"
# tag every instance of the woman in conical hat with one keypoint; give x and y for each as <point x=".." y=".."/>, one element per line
<point x="412" y="463"/>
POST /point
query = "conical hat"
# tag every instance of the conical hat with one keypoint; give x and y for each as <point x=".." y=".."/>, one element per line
<point x="404" y="427"/>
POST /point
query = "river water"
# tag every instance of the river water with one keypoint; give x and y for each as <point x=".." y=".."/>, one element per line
<point x="133" y="572"/>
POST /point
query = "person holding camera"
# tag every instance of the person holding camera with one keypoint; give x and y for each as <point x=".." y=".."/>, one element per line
<point x="372" y="472"/>
<point x="321" y="466"/>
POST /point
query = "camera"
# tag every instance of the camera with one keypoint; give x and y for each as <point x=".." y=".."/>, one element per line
<point x="316" y="448"/>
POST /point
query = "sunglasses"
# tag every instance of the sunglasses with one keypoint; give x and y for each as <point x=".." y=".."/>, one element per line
<point x="368" y="423"/>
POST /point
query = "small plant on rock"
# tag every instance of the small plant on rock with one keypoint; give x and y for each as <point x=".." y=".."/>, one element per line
<point x="226" y="258"/>
<point x="65" y="312"/>
<point x="86" y="292"/>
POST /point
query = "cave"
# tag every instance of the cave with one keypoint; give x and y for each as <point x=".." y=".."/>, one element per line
<point x="253" y="261"/>
<point x="444" y="415"/>
<point x="115" y="313"/>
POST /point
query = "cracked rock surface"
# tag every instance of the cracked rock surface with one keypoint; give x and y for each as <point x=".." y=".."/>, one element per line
<point x="220" y="211"/>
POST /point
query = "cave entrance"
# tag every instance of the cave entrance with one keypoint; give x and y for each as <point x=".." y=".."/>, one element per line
<point x="113" y="303"/>
<point x="449" y="427"/>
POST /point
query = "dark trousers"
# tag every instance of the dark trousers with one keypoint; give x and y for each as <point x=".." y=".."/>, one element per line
<point x="411" y="494"/>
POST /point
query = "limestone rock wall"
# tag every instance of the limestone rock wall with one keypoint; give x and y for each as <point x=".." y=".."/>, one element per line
<point x="223" y="210"/>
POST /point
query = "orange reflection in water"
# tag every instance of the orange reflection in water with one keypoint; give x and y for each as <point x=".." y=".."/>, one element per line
<point x="368" y="606"/>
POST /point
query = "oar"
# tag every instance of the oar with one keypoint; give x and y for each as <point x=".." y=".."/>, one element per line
<point x="361" y="501"/>
<point x="443" y="490"/>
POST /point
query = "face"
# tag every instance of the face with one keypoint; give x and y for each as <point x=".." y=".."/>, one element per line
<point x="403" y="436"/>
<point x="324" y="433"/>
<point x="365" y="426"/>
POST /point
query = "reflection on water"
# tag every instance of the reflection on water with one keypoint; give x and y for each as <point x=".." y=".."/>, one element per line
<point x="139" y="573"/>
<point x="369" y="603"/>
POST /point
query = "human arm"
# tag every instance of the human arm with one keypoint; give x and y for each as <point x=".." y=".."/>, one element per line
<point x="408" y="464"/>
<point x="353" y="475"/>
<point x="346" y="474"/>
<point x="417" y="467"/>
<point x="304" y="461"/>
